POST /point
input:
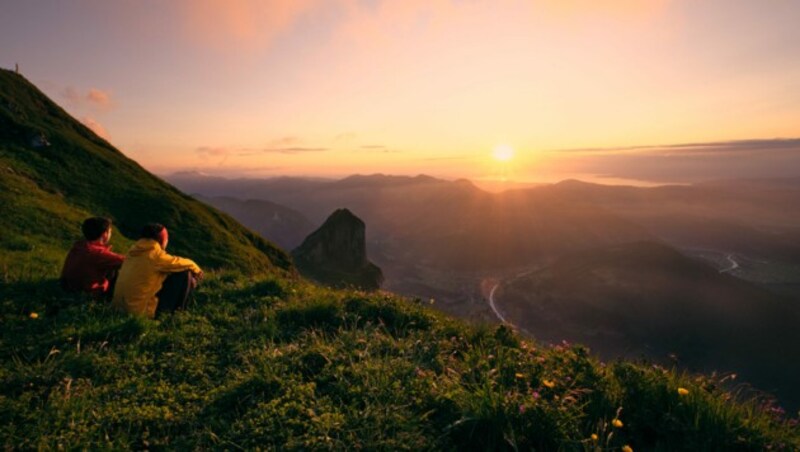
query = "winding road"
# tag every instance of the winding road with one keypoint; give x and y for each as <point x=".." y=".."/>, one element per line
<point x="494" y="307"/>
<point x="734" y="265"/>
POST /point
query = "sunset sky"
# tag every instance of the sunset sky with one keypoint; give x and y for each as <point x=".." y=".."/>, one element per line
<point x="657" y="91"/>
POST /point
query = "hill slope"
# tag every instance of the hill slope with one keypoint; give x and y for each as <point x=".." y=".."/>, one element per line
<point x="646" y="299"/>
<point x="47" y="189"/>
<point x="274" y="363"/>
<point x="283" y="225"/>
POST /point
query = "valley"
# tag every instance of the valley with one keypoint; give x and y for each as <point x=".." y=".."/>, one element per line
<point x="509" y="258"/>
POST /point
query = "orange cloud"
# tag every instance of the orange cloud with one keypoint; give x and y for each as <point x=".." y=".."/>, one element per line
<point x="95" y="98"/>
<point x="249" y="24"/>
<point x="96" y="127"/>
<point x="620" y="8"/>
<point x="286" y="141"/>
<point x="99" y="97"/>
<point x="217" y="155"/>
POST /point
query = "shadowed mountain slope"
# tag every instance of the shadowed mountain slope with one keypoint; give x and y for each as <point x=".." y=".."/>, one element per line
<point x="282" y="225"/>
<point x="646" y="299"/>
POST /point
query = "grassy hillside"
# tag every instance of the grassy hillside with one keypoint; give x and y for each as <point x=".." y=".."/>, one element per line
<point x="45" y="192"/>
<point x="274" y="363"/>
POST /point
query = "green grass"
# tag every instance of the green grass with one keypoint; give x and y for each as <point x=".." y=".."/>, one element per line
<point x="272" y="362"/>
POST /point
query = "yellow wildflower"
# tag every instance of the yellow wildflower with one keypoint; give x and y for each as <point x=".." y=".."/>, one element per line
<point x="594" y="437"/>
<point x="549" y="383"/>
<point x="617" y="423"/>
<point x="34" y="315"/>
<point x="683" y="391"/>
<point x="627" y="448"/>
<point x="519" y="375"/>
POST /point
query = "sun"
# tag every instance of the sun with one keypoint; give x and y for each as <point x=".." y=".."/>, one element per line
<point x="503" y="153"/>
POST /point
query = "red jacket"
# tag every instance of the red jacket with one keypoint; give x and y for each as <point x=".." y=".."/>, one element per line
<point x="87" y="267"/>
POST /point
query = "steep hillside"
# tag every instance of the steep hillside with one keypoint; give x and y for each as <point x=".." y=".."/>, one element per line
<point x="646" y="299"/>
<point x="54" y="172"/>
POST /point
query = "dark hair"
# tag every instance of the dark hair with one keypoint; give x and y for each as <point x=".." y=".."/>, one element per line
<point x="151" y="231"/>
<point x="94" y="227"/>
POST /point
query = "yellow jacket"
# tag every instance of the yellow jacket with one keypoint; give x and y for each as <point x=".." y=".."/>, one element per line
<point x="143" y="273"/>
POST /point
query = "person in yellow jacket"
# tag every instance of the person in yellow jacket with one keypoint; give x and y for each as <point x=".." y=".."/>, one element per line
<point x="151" y="281"/>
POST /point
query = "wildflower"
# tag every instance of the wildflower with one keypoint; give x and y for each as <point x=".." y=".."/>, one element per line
<point x="521" y="409"/>
<point x="683" y="391"/>
<point x="535" y="395"/>
<point x="549" y="383"/>
<point x="34" y="315"/>
<point x="627" y="448"/>
<point x="617" y="423"/>
<point x="519" y="375"/>
<point x="431" y="301"/>
<point x="594" y="437"/>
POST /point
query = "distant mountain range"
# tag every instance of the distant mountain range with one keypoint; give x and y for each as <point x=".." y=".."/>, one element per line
<point x="606" y="270"/>
<point x="455" y="225"/>
<point x="435" y="222"/>
<point x="283" y="225"/>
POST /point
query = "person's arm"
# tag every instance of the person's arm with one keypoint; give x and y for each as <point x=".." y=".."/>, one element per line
<point x="110" y="260"/>
<point x="173" y="264"/>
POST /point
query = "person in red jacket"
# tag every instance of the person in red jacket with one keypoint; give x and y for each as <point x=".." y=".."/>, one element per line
<point x="90" y="265"/>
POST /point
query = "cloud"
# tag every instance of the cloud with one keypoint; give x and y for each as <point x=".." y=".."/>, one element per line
<point x="211" y="151"/>
<point x="285" y="141"/>
<point x="436" y="159"/>
<point x="99" y="97"/>
<point x="687" y="162"/>
<point x="345" y="137"/>
<point x="96" y="127"/>
<point x="218" y="154"/>
<point x="376" y="148"/>
<point x="293" y="150"/>
<point x="714" y="147"/>
<point x="93" y="98"/>
<point x="248" y="24"/>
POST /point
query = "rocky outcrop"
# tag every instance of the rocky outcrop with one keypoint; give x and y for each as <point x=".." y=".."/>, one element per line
<point x="336" y="254"/>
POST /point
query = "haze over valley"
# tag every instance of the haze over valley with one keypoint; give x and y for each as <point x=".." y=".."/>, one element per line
<point x="574" y="261"/>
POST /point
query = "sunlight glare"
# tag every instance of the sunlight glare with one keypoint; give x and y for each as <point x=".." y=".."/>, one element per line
<point x="503" y="153"/>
